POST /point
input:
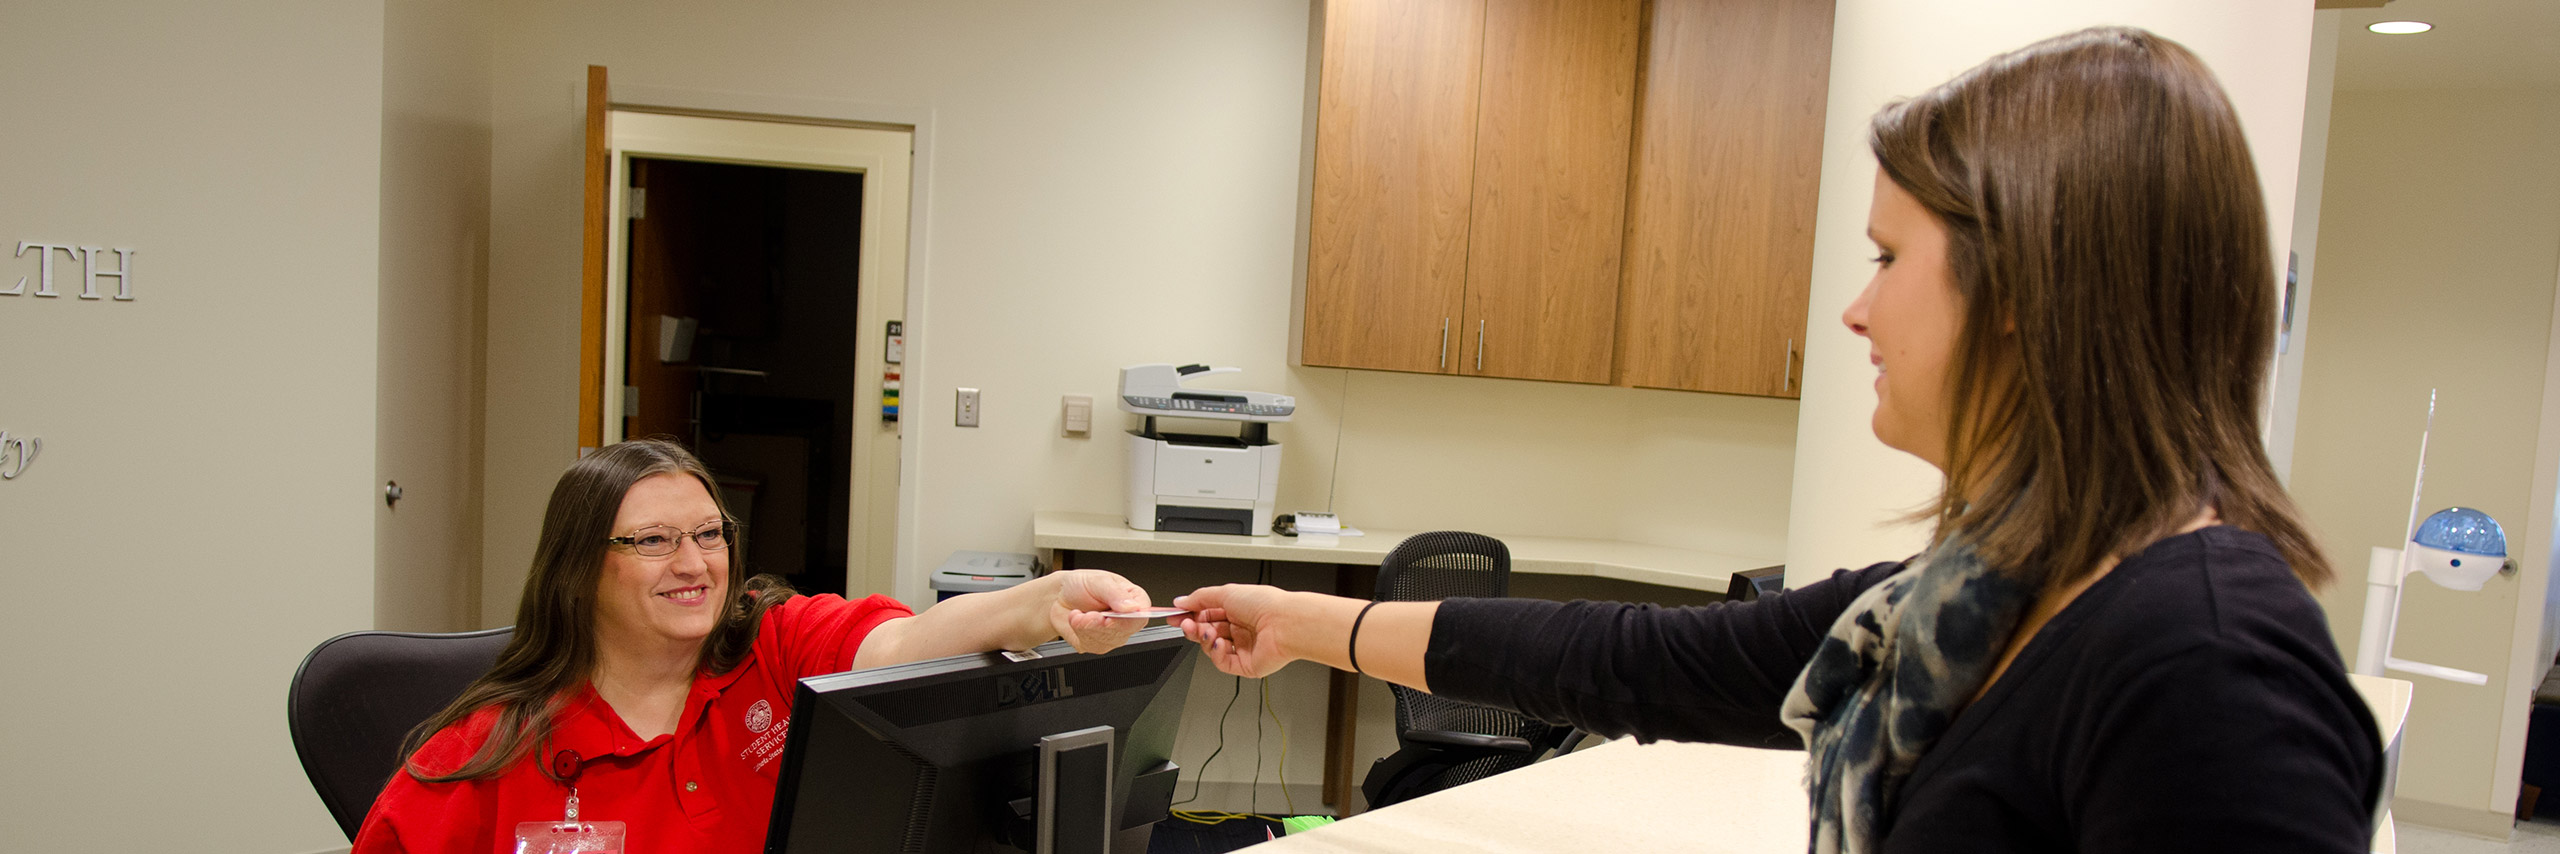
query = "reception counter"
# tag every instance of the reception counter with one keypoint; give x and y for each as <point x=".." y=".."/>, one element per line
<point x="1665" y="796"/>
<point x="1618" y="796"/>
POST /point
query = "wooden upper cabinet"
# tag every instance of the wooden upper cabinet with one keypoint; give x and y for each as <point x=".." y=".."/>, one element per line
<point x="1395" y="164"/>
<point x="1599" y="191"/>
<point x="1728" y="159"/>
<point x="1550" y="188"/>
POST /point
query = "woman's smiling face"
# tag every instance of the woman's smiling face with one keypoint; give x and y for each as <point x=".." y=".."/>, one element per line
<point x="673" y="598"/>
<point x="1910" y="315"/>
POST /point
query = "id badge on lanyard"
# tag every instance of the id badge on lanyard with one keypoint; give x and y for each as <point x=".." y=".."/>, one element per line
<point x="569" y="836"/>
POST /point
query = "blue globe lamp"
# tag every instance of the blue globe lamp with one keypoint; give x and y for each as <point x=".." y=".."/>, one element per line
<point x="2458" y="547"/>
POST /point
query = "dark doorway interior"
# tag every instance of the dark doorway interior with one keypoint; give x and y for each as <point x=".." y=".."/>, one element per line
<point x="741" y="321"/>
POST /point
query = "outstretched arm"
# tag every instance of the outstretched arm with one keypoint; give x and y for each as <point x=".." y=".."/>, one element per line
<point x="1252" y="630"/>
<point x="1067" y="604"/>
<point x="1707" y="673"/>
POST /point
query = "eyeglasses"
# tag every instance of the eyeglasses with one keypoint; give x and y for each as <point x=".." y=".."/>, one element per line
<point x="660" y="540"/>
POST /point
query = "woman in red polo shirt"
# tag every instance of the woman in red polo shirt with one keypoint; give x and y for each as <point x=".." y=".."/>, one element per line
<point x="642" y="688"/>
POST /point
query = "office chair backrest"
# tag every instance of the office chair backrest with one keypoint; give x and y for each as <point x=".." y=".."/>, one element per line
<point x="358" y="694"/>
<point x="1431" y="567"/>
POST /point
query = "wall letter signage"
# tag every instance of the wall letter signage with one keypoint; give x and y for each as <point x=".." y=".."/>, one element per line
<point x="88" y="256"/>
<point x="17" y="453"/>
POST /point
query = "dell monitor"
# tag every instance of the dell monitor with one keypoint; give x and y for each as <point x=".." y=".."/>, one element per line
<point x="1053" y="752"/>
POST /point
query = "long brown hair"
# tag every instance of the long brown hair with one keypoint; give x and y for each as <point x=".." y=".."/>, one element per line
<point x="2106" y="232"/>
<point x="555" y="642"/>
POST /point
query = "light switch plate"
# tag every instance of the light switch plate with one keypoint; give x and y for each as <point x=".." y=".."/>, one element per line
<point x="965" y="413"/>
<point x="1076" y="412"/>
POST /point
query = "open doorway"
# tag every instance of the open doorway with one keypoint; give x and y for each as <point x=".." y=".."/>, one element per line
<point x="741" y="294"/>
<point x="754" y="275"/>
<point x="2425" y="306"/>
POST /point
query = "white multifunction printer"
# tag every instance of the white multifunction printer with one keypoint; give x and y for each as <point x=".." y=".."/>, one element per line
<point x="1200" y="483"/>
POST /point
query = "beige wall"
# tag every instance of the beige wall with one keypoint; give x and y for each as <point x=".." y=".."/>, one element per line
<point x="435" y="256"/>
<point x="199" y="517"/>
<point x="2440" y="239"/>
<point x="1845" y="481"/>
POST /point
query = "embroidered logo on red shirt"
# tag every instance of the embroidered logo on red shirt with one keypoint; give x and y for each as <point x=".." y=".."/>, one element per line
<point x="768" y="746"/>
<point x="760" y="716"/>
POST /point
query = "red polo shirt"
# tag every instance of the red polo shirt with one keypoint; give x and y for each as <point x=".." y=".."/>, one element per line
<point x="707" y="787"/>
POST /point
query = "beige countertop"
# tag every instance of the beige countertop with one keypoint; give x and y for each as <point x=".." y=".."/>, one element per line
<point x="1619" y="796"/>
<point x="1643" y="564"/>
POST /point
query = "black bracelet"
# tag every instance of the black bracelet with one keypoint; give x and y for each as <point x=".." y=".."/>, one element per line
<point x="1355" y="637"/>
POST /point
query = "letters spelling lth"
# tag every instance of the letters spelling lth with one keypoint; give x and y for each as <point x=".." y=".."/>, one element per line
<point x="17" y="453"/>
<point x="89" y="272"/>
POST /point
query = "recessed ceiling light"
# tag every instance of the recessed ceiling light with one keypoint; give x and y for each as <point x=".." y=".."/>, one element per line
<point x="2401" y="28"/>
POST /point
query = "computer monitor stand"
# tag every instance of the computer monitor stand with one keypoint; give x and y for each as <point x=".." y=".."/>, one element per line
<point x="1074" y="813"/>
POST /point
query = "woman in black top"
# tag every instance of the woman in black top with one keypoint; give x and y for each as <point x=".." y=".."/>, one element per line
<point x="2109" y="644"/>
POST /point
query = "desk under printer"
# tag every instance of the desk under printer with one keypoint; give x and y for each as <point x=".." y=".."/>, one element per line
<point x="1202" y="483"/>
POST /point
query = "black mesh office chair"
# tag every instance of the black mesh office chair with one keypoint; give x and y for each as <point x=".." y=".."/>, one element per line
<point x="1445" y="742"/>
<point x="358" y="694"/>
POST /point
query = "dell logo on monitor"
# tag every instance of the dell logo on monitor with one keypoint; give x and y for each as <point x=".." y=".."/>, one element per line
<point x="1038" y="686"/>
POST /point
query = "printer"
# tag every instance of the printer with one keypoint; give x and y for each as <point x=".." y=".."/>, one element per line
<point x="1201" y="483"/>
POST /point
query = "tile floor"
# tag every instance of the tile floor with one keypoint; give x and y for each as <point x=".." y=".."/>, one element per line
<point x="2532" y="837"/>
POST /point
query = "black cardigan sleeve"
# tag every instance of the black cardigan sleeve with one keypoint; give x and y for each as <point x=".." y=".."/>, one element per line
<point x="1707" y="673"/>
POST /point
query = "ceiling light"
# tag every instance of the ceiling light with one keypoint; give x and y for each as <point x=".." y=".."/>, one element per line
<point x="2401" y="28"/>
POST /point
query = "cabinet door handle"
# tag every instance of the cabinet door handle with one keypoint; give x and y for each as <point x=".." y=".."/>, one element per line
<point x="1444" y="343"/>
<point x="1787" y="368"/>
<point x="1479" y="345"/>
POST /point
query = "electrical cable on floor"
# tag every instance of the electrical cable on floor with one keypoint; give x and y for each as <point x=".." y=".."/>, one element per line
<point x="1202" y="777"/>
<point x="1252" y="810"/>
<point x="1253" y="793"/>
<point x="1292" y="803"/>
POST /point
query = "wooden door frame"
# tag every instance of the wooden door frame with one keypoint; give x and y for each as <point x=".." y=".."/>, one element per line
<point x="880" y="482"/>
<point x="591" y="277"/>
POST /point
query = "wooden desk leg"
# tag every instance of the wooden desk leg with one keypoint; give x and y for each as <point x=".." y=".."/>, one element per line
<point x="1341" y="719"/>
<point x="1342" y="704"/>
